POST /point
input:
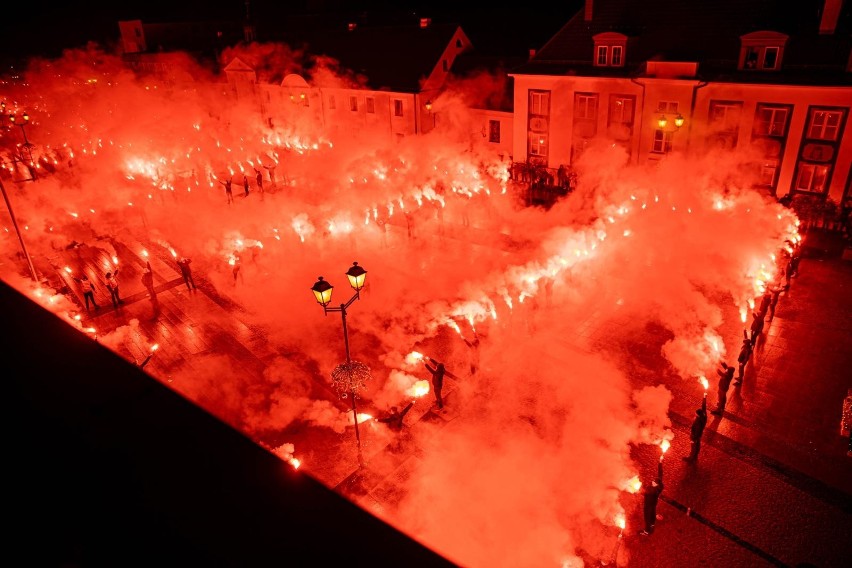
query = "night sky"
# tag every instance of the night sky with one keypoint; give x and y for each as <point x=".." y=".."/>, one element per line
<point x="502" y="28"/>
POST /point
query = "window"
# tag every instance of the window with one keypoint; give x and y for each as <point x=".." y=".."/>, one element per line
<point x="667" y="107"/>
<point x="353" y="104"/>
<point x="615" y="61"/>
<point x="724" y="123"/>
<point x="332" y="104"/>
<point x="540" y="103"/>
<point x="585" y="106"/>
<point x="662" y="141"/>
<point x="770" y="57"/>
<point x="371" y="105"/>
<point x="585" y="115"/>
<point x="812" y="177"/>
<point x="762" y="51"/>
<point x="538" y="145"/>
<point x="824" y="124"/>
<point x="771" y="120"/>
<point x="621" y="116"/>
<point x="609" y="49"/>
<point x="494" y="131"/>
<point x="397" y="107"/>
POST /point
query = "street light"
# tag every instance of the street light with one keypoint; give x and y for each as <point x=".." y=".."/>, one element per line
<point x="350" y="377"/>
<point x="29" y="147"/>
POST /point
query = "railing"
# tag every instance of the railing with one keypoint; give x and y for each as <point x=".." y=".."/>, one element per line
<point x="543" y="186"/>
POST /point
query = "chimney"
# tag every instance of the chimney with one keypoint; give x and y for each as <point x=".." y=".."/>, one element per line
<point x="425" y="23"/>
<point x="830" y="15"/>
<point x="587" y="12"/>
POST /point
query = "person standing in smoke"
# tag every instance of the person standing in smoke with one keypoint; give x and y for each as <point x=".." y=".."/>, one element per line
<point x="148" y="281"/>
<point x="726" y="374"/>
<point x="474" y="352"/>
<point x="88" y="291"/>
<point x="696" y="431"/>
<point x="437" y="380"/>
<point x="765" y="302"/>
<point x="258" y="179"/>
<point x="743" y="358"/>
<point x="245" y="184"/>
<point x="756" y="327"/>
<point x="651" y="495"/>
<point x="776" y="293"/>
<point x="186" y="272"/>
<point x="236" y="266"/>
<point x="228" y="191"/>
<point x="112" y="285"/>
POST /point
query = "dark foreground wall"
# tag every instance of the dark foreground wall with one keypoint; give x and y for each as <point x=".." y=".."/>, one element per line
<point x="104" y="466"/>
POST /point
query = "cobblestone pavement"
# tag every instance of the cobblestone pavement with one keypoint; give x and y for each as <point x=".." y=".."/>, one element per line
<point x="773" y="485"/>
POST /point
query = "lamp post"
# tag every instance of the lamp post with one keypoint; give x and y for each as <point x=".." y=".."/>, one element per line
<point x="350" y="377"/>
<point x="27" y="145"/>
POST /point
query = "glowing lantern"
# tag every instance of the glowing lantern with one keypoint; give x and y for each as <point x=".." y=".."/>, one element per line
<point x="322" y="291"/>
<point x="356" y="275"/>
<point x="662" y="121"/>
<point x="428" y="106"/>
<point x="679" y="120"/>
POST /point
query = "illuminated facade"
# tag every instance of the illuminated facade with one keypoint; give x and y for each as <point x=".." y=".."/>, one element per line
<point x="769" y="79"/>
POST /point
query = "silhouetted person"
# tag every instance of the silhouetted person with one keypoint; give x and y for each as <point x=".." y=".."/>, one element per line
<point x="229" y="193"/>
<point x="186" y="272"/>
<point x="258" y="178"/>
<point x="88" y="291"/>
<point x="474" y="353"/>
<point x="237" y="264"/>
<point x="651" y="495"/>
<point x="148" y="281"/>
<point x="245" y="184"/>
<point x="696" y="431"/>
<point x="726" y="374"/>
<point x="743" y="358"/>
<point x="756" y="327"/>
<point x="437" y="380"/>
<point x="765" y="301"/>
<point x="776" y="293"/>
<point x="395" y="417"/>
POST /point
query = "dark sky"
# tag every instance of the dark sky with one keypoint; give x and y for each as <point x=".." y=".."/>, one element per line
<point x="45" y="30"/>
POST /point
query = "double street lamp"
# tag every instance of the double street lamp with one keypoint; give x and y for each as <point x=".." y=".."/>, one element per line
<point x="350" y="377"/>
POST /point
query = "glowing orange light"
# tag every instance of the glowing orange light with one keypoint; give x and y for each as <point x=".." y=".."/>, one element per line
<point x="633" y="485"/>
<point x="665" y="445"/>
<point x="418" y="389"/>
<point x="295" y="463"/>
<point x="704" y="383"/>
<point x="413" y="357"/>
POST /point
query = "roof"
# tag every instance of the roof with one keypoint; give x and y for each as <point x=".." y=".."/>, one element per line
<point x="705" y="31"/>
<point x="395" y="58"/>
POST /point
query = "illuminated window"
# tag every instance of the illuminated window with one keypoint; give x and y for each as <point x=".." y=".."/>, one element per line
<point x="353" y="104"/>
<point x="538" y="145"/>
<point x="397" y="107"/>
<point x="824" y="124"/>
<point x="371" y="105"/>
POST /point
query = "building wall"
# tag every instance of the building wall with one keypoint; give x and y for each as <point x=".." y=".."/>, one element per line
<point x="692" y="100"/>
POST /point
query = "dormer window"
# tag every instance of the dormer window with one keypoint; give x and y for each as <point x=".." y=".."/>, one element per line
<point x="762" y="51"/>
<point x="609" y="49"/>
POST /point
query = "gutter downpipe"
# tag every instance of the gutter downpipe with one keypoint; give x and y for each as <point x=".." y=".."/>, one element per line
<point x="700" y="85"/>
<point x="641" y="122"/>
